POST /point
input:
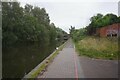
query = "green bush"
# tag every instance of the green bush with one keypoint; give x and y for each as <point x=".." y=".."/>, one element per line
<point x="78" y="34"/>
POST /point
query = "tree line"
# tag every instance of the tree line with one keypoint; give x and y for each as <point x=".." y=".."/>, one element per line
<point x="96" y="22"/>
<point x="27" y="24"/>
<point x="100" y="20"/>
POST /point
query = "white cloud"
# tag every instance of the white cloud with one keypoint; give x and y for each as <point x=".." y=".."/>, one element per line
<point x="65" y="14"/>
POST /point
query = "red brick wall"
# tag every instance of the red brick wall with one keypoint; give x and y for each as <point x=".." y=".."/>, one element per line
<point x="108" y="29"/>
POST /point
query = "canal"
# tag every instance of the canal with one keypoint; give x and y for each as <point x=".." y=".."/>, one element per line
<point x="21" y="58"/>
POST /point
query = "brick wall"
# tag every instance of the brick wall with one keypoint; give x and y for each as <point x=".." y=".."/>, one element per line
<point x="110" y="30"/>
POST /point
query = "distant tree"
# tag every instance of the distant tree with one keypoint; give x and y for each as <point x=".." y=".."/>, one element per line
<point x="99" y="21"/>
<point x="52" y="34"/>
<point x="78" y="34"/>
<point x="109" y="19"/>
<point x="71" y="30"/>
<point x="28" y="24"/>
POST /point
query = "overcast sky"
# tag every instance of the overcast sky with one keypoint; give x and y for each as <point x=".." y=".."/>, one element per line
<point x="74" y="12"/>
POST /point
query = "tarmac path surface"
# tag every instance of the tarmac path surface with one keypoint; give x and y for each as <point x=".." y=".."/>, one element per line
<point x="67" y="64"/>
<point x="99" y="68"/>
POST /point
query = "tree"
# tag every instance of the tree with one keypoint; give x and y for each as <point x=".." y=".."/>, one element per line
<point x="12" y="15"/>
<point x="99" y="21"/>
<point x="28" y="24"/>
<point x="71" y="30"/>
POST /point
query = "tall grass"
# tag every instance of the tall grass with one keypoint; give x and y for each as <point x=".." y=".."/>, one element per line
<point x="98" y="47"/>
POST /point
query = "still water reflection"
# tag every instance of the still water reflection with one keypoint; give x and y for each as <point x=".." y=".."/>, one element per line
<point x="20" y="59"/>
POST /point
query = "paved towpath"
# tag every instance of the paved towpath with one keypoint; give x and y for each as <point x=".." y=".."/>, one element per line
<point x="99" y="68"/>
<point x="65" y="65"/>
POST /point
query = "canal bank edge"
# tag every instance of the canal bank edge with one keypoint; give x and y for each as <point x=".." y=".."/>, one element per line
<point x="40" y="68"/>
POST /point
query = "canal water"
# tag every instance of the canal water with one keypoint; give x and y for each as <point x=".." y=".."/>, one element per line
<point x="20" y="59"/>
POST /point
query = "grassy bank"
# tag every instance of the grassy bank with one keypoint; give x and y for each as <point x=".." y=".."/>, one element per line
<point x="101" y="48"/>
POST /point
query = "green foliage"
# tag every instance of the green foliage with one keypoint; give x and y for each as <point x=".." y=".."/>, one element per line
<point x="72" y="29"/>
<point x="60" y="35"/>
<point x="78" y="34"/>
<point x="99" y="21"/>
<point x="95" y="47"/>
<point x="27" y="24"/>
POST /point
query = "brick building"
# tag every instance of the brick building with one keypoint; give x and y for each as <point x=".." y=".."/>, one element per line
<point x="110" y="30"/>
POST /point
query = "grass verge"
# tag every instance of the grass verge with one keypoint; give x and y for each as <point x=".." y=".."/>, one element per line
<point x="100" y="48"/>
